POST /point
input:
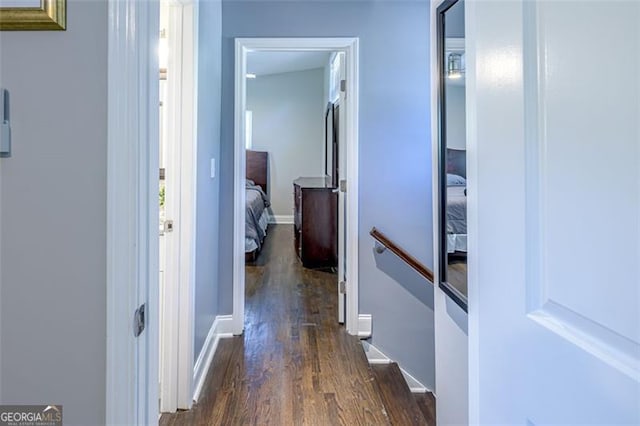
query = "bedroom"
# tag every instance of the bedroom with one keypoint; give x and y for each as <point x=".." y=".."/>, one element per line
<point x="291" y="162"/>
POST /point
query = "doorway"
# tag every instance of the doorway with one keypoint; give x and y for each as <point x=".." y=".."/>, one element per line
<point x="347" y="200"/>
<point x="178" y="130"/>
<point x="287" y="93"/>
<point x="133" y="299"/>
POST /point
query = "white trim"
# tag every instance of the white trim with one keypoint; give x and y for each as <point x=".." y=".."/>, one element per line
<point x="220" y="329"/>
<point x="365" y="325"/>
<point x="341" y="74"/>
<point x="435" y="156"/>
<point x="352" y="129"/>
<point x="281" y="219"/>
<point x="414" y="384"/>
<point x="350" y="46"/>
<point x="187" y="225"/>
<point x="225" y="325"/>
<point x="376" y="357"/>
<point x="169" y="311"/>
<point x="1" y="161"/>
<point x="473" y="394"/>
<point x="239" y="195"/>
<point x="132" y="216"/>
<point x="179" y="299"/>
<point x="121" y="351"/>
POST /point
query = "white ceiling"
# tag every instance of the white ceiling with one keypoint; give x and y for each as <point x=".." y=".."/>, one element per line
<point x="265" y="63"/>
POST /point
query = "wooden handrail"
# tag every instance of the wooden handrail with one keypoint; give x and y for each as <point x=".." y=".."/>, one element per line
<point x="398" y="251"/>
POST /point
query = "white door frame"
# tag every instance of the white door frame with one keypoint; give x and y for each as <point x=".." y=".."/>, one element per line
<point x="350" y="47"/>
<point x="132" y="273"/>
<point x="177" y="313"/>
<point x="342" y="165"/>
<point x="132" y="210"/>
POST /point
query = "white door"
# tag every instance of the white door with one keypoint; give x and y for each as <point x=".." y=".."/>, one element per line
<point x="340" y="120"/>
<point x="554" y="211"/>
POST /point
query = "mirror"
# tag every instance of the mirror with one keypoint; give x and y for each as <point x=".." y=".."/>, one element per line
<point x="452" y="152"/>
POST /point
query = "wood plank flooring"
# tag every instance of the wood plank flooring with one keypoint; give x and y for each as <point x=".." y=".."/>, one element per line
<point x="402" y="408"/>
<point x="294" y="365"/>
<point x="457" y="274"/>
<point x="427" y="404"/>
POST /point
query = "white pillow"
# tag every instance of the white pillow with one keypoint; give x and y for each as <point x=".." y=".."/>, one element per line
<point x="455" y="180"/>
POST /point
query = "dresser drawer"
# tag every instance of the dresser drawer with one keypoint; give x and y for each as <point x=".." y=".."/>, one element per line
<point x="316" y="225"/>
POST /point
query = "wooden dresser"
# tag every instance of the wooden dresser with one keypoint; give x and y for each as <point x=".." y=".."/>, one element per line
<point x="315" y="221"/>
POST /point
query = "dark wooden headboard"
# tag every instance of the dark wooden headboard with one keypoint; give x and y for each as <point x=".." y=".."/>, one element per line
<point x="457" y="162"/>
<point x="258" y="168"/>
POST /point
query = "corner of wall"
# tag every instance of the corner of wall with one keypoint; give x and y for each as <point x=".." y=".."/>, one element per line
<point x="220" y="329"/>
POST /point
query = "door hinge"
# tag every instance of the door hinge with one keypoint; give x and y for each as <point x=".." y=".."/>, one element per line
<point x="342" y="287"/>
<point x="343" y="185"/>
<point x="139" y="320"/>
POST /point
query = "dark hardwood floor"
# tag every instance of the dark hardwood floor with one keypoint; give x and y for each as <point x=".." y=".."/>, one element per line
<point x="457" y="274"/>
<point x="401" y="405"/>
<point x="294" y="365"/>
<point x="427" y="404"/>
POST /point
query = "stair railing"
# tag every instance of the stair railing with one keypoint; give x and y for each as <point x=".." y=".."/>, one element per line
<point x="384" y="243"/>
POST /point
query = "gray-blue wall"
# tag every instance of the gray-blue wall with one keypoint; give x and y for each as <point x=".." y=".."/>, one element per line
<point x="395" y="154"/>
<point x="209" y="75"/>
<point x="53" y="217"/>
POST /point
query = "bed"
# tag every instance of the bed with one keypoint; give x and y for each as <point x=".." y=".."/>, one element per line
<point x="257" y="201"/>
<point x="456" y="202"/>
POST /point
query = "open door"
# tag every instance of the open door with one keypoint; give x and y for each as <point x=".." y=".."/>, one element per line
<point x="554" y="143"/>
<point x="339" y="157"/>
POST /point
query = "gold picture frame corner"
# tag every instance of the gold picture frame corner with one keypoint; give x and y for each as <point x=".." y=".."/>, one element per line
<point x="50" y="16"/>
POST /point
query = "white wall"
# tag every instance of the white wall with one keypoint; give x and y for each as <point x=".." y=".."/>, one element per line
<point x="288" y="122"/>
<point x="452" y="370"/>
<point x="451" y="322"/>
<point x="456" y="117"/>
<point x="53" y="225"/>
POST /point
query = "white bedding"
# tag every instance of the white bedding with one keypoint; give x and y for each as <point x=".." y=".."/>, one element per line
<point x="456" y="242"/>
<point x="456" y="218"/>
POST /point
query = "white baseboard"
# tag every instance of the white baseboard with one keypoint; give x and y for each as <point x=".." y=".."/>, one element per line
<point x="225" y="325"/>
<point x="364" y="326"/>
<point x="376" y="356"/>
<point x="281" y="219"/>
<point x="221" y="328"/>
<point x="414" y="385"/>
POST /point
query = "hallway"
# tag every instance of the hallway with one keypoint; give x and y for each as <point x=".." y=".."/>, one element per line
<point x="295" y="364"/>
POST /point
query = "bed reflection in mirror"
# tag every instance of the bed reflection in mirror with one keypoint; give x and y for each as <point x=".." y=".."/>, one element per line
<point x="452" y="149"/>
